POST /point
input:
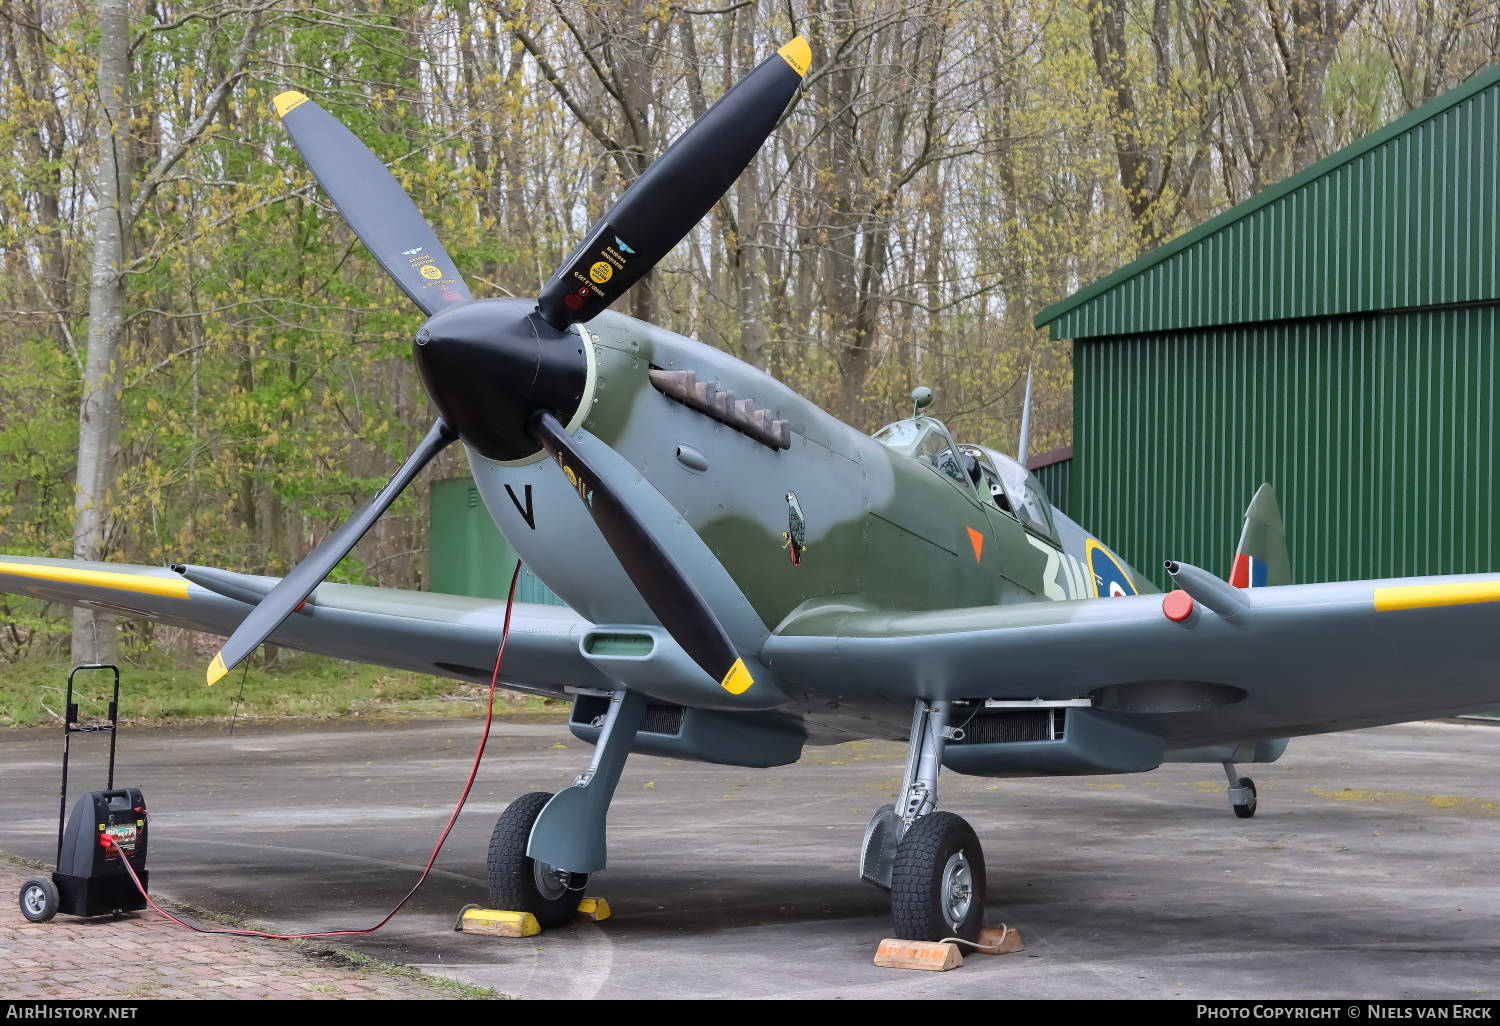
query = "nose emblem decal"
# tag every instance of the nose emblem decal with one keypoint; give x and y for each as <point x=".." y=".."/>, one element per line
<point x="796" y="529"/>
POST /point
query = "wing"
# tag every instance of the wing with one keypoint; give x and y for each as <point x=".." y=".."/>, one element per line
<point x="446" y="635"/>
<point x="1302" y="659"/>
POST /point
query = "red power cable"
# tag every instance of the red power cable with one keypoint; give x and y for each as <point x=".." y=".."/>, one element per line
<point x="510" y="601"/>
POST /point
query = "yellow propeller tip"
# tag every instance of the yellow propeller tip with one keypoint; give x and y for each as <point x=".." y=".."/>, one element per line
<point x="216" y="669"/>
<point x="798" y="54"/>
<point x="738" y="680"/>
<point x="285" y="104"/>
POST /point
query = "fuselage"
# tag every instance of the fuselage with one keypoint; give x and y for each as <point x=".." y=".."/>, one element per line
<point x="835" y="518"/>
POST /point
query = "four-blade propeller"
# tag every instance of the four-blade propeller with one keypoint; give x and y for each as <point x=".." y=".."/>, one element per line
<point x="508" y="375"/>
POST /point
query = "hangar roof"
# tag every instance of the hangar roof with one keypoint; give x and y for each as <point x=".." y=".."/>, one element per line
<point x="1409" y="216"/>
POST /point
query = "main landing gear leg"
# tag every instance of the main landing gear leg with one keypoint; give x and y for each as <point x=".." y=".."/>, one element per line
<point x="545" y="846"/>
<point x="930" y="861"/>
<point x="1241" y="792"/>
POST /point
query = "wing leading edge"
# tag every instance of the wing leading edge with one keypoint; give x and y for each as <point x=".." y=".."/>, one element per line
<point x="1305" y="659"/>
<point x="446" y="635"/>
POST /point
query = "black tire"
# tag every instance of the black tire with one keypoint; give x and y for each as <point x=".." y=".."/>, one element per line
<point x="933" y="849"/>
<point x="1248" y="809"/>
<point x="39" y="899"/>
<point x="518" y="883"/>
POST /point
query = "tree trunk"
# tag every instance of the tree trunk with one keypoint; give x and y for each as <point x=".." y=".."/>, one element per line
<point x="99" y="411"/>
<point x="1107" y="33"/>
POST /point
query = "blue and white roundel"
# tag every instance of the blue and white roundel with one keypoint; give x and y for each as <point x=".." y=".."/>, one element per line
<point x="1110" y="578"/>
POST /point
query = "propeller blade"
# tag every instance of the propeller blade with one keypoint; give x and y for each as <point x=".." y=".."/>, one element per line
<point x="294" y="588"/>
<point x="374" y="204"/>
<point x="667" y="591"/>
<point x="663" y="205"/>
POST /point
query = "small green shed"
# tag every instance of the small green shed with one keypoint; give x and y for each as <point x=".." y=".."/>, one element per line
<point x="1337" y="335"/>
<point x="467" y="555"/>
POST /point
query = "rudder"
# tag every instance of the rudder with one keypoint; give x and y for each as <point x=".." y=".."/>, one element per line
<point x="1261" y="558"/>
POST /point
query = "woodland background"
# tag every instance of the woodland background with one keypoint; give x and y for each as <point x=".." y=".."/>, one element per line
<point x="198" y="361"/>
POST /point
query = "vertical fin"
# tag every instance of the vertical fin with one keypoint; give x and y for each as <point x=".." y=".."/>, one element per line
<point x="1023" y="448"/>
<point x="1261" y="558"/>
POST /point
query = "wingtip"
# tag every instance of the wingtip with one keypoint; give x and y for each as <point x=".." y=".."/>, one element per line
<point x="798" y="54"/>
<point x="738" y="680"/>
<point x="216" y="669"/>
<point x="285" y="103"/>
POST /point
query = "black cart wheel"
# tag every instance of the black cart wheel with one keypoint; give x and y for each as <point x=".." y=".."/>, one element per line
<point x="39" y="899"/>
<point x="937" y="885"/>
<point x="1248" y="809"/>
<point x="519" y="883"/>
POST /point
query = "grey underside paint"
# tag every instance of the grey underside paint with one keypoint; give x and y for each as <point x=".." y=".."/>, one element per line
<point x="750" y="739"/>
<point x="1310" y="659"/>
<point x="446" y="635"/>
<point x="1094" y="742"/>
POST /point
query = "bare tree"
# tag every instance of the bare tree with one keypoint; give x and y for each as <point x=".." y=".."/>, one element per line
<point x="99" y="413"/>
<point x="99" y="408"/>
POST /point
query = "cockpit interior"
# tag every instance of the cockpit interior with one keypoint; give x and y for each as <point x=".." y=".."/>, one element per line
<point x="991" y="476"/>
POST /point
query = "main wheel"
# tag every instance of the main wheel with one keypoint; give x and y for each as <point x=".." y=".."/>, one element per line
<point x="1248" y="809"/>
<point x="937" y="885"/>
<point x="519" y="883"/>
<point x="39" y="899"/>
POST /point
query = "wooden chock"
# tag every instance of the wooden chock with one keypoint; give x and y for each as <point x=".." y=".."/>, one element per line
<point x="498" y="923"/>
<point x="937" y="956"/>
<point x="998" y="940"/>
<point x="595" y="909"/>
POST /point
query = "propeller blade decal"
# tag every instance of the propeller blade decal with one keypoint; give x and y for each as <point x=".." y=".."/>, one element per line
<point x="663" y="205"/>
<point x="373" y="202"/>
<point x="667" y="591"/>
<point x="294" y="588"/>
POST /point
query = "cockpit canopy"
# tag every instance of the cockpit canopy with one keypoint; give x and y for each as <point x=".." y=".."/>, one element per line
<point x="992" y="476"/>
<point x="925" y="439"/>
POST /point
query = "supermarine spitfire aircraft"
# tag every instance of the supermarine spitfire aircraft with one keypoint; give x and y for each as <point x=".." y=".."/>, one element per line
<point x="747" y="575"/>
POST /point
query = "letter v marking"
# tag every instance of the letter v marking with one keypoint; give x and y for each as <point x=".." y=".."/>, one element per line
<point x="527" y="513"/>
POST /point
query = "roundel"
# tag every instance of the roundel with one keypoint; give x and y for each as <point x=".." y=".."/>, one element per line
<point x="1109" y="577"/>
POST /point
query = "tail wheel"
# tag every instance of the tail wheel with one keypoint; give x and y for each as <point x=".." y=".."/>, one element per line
<point x="39" y="899"/>
<point x="1248" y="809"/>
<point x="519" y="883"/>
<point x="937" y="885"/>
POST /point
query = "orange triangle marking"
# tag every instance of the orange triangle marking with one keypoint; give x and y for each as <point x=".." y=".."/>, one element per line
<point x="977" y="540"/>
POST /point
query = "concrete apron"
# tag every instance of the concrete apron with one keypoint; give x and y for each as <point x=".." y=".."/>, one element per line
<point x="1372" y="868"/>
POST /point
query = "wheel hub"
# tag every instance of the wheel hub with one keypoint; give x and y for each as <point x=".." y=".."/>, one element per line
<point x="957" y="883"/>
<point x="36" y="900"/>
<point x="551" y="882"/>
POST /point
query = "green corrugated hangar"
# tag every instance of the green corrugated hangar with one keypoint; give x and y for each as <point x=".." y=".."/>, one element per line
<point x="1336" y="335"/>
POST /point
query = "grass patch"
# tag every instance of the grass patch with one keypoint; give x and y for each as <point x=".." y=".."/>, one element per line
<point x="355" y="961"/>
<point x="33" y="691"/>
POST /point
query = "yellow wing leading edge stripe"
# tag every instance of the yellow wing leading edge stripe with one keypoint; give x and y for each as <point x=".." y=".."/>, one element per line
<point x="1423" y="596"/>
<point x="139" y="583"/>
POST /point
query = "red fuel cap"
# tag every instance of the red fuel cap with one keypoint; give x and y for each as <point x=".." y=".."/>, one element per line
<point x="1177" y="605"/>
